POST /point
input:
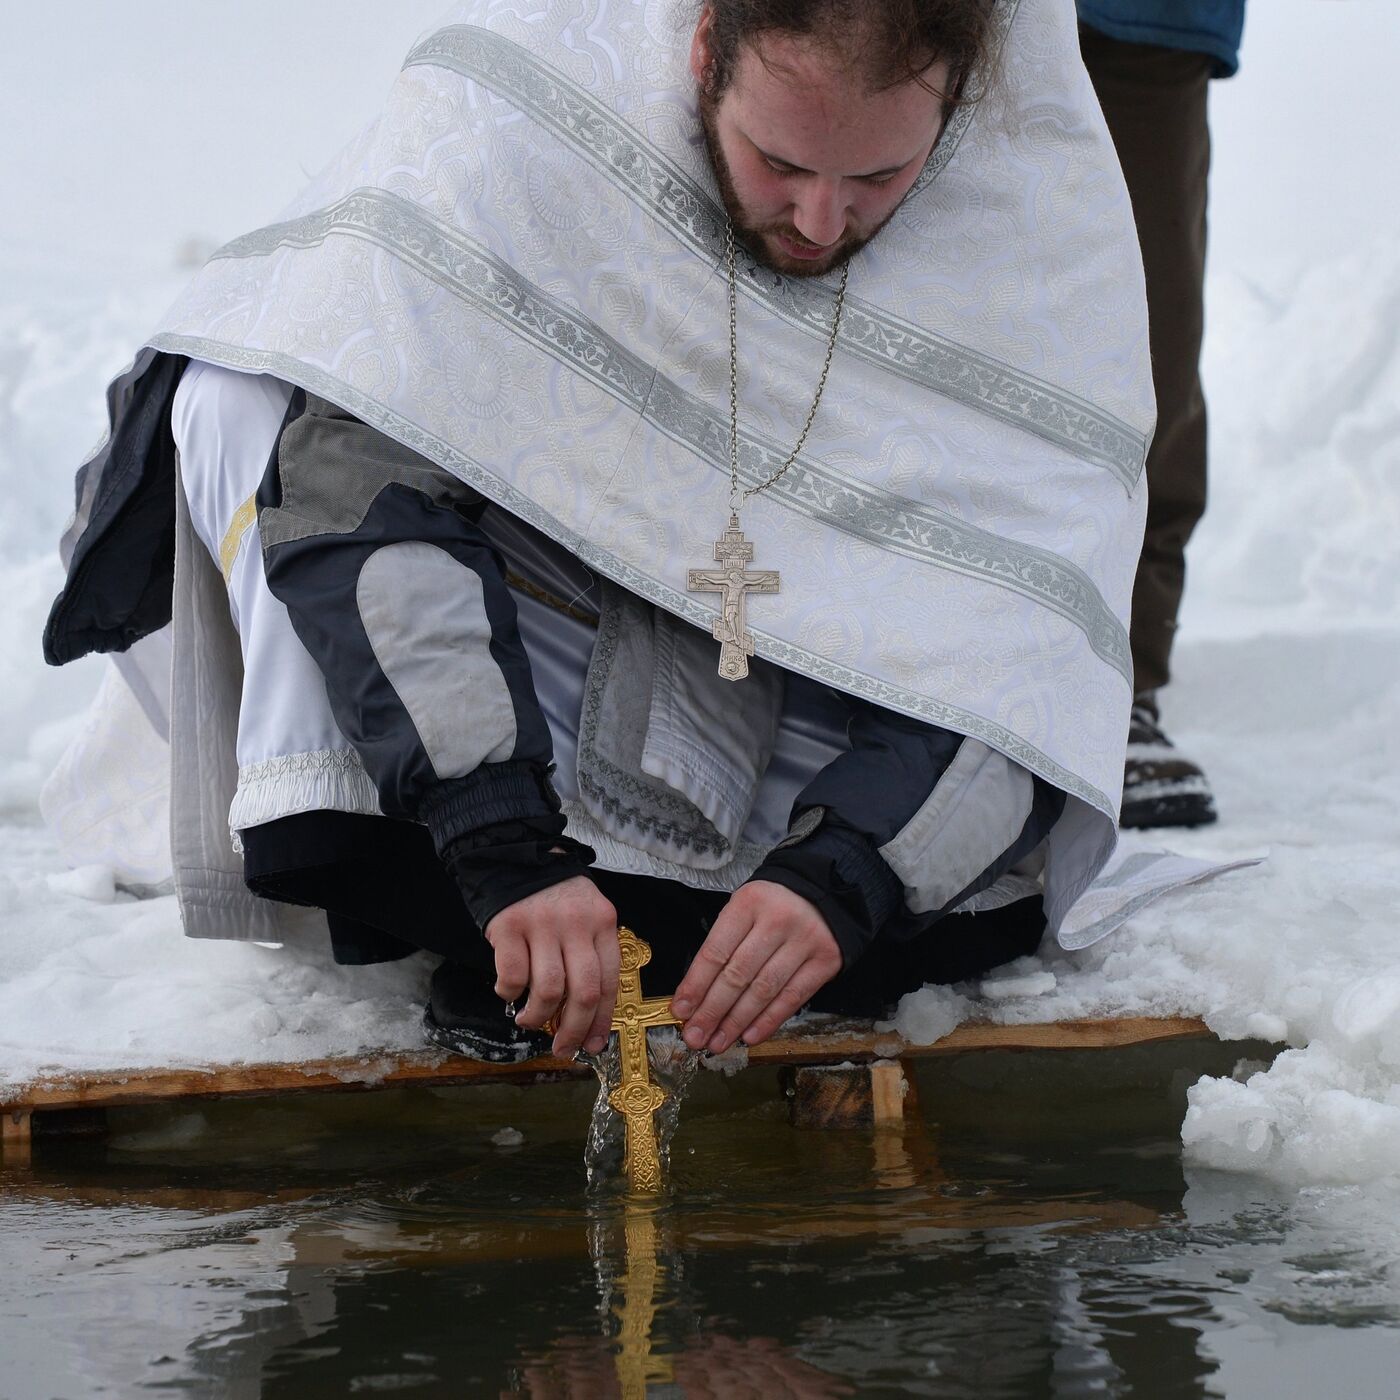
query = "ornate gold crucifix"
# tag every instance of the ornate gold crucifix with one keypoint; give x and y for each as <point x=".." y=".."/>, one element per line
<point x="636" y="1097"/>
<point x="732" y="582"/>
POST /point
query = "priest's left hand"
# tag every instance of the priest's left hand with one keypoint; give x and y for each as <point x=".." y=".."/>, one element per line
<point x="766" y="956"/>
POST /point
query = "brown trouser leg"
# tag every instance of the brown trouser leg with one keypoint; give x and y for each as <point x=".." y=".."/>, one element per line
<point x="1154" y="100"/>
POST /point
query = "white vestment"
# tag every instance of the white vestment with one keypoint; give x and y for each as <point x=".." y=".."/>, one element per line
<point x="518" y="273"/>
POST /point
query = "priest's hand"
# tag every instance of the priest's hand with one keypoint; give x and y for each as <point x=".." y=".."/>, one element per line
<point x="561" y="943"/>
<point x="766" y="956"/>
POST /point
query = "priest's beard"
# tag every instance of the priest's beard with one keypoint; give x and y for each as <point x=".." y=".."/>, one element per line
<point x="752" y="235"/>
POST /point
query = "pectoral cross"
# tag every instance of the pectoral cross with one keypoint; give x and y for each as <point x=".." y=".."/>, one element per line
<point x="636" y="1097"/>
<point x="732" y="582"/>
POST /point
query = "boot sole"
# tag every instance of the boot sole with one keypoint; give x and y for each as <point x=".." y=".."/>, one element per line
<point x="488" y="1046"/>
<point x="1187" y="809"/>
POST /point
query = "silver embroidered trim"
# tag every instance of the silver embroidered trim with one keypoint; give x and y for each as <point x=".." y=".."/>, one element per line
<point x="461" y="266"/>
<point x="686" y="208"/>
<point x="630" y="799"/>
<point x="468" y="469"/>
<point x="318" y="779"/>
<point x="617" y="855"/>
<point x="338" y="761"/>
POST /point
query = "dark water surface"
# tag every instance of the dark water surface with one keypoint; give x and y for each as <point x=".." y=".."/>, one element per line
<point x="1034" y="1236"/>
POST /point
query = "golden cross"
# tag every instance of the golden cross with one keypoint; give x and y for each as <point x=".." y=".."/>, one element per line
<point x="733" y="583"/>
<point x="636" y="1097"/>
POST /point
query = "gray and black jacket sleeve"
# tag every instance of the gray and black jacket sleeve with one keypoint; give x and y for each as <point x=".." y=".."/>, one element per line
<point x="906" y="825"/>
<point x="402" y="602"/>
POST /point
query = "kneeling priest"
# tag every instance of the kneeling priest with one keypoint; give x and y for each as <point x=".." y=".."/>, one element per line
<point x="677" y="469"/>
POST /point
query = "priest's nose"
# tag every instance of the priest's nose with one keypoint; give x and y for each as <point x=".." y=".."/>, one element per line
<point x="820" y="214"/>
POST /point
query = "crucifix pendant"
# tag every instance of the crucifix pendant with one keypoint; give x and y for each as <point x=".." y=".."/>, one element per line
<point x="733" y="583"/>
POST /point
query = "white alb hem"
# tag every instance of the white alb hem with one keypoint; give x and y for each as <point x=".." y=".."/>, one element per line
<point x="321" y="780"/>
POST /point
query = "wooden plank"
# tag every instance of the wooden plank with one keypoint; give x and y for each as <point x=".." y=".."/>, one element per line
<point x="856" y="1041"/>
<point x="818" y="1042"/>
<point x="115" y="1088"/>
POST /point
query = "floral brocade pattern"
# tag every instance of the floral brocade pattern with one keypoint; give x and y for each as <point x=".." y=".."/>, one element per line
<point x="516" y="273"/>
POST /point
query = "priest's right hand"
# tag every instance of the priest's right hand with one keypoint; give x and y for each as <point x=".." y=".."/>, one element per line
<point x="561" y="943"/>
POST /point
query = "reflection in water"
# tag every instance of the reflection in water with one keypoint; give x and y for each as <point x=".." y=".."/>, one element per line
<point x="387" y="1244"/>
<point x="630" y="1357"/>
<point x="638" y="1361"/>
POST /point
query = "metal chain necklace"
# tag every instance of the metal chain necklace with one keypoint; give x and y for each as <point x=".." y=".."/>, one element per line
<point x="732" y="551"/>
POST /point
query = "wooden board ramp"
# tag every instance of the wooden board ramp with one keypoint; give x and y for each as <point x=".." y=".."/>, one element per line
<point x="827" y="1041"/>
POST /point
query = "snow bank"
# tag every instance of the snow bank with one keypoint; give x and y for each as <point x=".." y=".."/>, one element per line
<point x="1303" y="377"/>
<point x="40" y="708"/>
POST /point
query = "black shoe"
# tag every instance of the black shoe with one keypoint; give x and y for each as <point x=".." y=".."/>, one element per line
<point x="465" y="1015"/>
<point x="1161" y="787"/>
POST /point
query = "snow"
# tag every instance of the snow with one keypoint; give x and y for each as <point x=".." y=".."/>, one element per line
<point x="1288" y="664"/>
<point x="92" y="979"/>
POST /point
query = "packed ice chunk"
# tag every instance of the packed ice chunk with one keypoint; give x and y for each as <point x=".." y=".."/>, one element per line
<point x="1230" y="1125"/>
<point x="927" y="1015"/>
<point x="1316" y="1115"/>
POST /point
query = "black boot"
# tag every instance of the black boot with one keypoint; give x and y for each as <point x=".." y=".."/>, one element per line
<point x="465" y="1015"/>
<point x="1161" y="786"/>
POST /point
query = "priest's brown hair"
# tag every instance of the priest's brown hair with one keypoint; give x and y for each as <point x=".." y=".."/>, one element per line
<point x="887" y="41"/>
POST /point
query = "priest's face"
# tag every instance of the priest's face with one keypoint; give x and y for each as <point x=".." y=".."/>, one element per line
<point x="810" y="163"/>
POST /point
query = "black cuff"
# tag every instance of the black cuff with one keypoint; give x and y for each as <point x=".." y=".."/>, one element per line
<point x="836" y="868"/>
<point x="495" y="793"/>
<point x="498" y="865"/>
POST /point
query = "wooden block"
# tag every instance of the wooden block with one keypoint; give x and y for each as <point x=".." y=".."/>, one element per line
<point x="16" y="1134"/>
<point x="887" y="1089"/>
<point x="847" y="1096"/>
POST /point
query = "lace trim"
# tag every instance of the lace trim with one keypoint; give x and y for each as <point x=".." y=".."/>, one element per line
<point x="318" y="780"/>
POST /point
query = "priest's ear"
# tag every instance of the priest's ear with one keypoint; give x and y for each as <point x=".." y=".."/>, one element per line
<point x="702" y="56"/>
